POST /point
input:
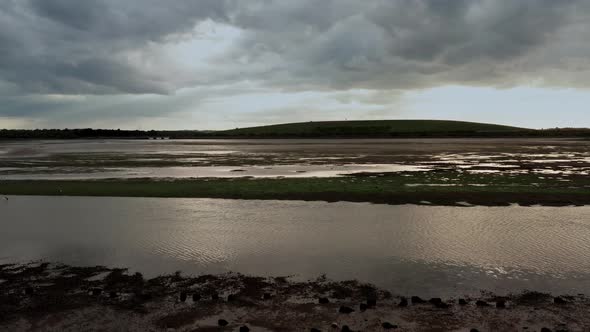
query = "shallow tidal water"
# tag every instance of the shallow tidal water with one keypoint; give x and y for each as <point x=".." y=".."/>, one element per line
<point x="408" y="249"/>
<point x="108" y="158"/>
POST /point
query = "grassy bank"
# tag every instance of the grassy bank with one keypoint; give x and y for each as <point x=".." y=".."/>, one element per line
<point x="374" y="128"/>
<point x="441" y="188"/>
<point x="311" y="129"/>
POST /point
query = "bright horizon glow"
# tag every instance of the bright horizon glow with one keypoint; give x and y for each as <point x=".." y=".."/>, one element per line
<point x="521" y="107"/>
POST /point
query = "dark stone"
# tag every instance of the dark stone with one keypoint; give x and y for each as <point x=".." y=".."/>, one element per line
<point x="463" y="302"/>
<point x="545" y="330"/>
<point x="112" y="294"/>
<point x="324" y="300"/>
<point x="345" y="310"/>
<point x="403" y="302"/>
<point x="474" y="330"/>
<point x="183" y="296"/>
<point x="501" y="304"/>
<point x="334" y="325"/>
<point x="222" y="322"/>
<point x="417" y="300"/>
<point x="266" y="296"/>
<point x="372" y="302"/>
<point x="145" y="296"/>
<point x="388" y="326"/>
<point x="442" y="305"/>
<point x="29" y="291"/>
<point x="480" y="303"/>
<point x="196" y="297"/>
<point x="313" y="329"/>
<point x="244" y="329"/>
<point x="96" y="291"/>
<point x="231" y="297"/>
<point x="559" y="300"/>
<point x="435" y="300"/>
<point x="363" y="307"/>
<point x="215" y="296"/>
<point x="345" y="328"/>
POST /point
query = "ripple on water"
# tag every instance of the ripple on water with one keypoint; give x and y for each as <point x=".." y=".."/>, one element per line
<point x="414" y="247"/>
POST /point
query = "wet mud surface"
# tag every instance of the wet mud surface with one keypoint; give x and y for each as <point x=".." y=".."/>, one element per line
<point x="55" y="297"/>
<point x="288" y="158"/>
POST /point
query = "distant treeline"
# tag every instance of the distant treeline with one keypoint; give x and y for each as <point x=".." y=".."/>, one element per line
<point x="334" y="132"/>
<point x="97" y="133"/>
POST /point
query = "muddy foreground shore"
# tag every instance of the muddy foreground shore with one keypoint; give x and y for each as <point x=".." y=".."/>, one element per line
<point x="55" y="297"/>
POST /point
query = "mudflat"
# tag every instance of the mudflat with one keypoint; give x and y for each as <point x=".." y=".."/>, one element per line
<point x="54" y="297"/>
<point x="438" y="171"/>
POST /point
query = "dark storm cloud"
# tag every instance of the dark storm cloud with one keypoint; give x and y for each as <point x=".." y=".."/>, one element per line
<point x="72" y="46"/>
<point x="413" y="43"/>
<point x="133" y="20"/>
<point x="121" y="47"/>
<point x="76" y="47"/>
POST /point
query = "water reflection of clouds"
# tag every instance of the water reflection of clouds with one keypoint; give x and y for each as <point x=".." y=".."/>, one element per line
<point x="414" y="246"/>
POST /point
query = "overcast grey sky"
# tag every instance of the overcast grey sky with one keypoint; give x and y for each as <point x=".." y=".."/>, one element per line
<point x="212" y="64"/>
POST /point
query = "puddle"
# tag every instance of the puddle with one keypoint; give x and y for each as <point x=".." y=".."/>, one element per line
<point x="285" y="171"/>
<point x="289" y="158"/>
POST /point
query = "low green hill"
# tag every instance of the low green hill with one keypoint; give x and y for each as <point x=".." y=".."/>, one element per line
<point x="377" y="128"/>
